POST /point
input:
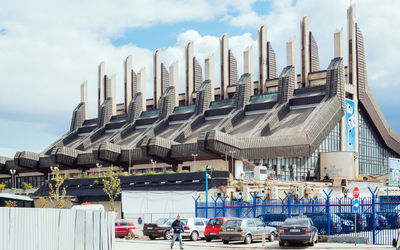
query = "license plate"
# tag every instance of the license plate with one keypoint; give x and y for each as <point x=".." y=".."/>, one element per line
<point x="149" y="228"/>
<point x="213" y="234"/>
<point x="294" y="230"/>
<point x="230" y="229"/>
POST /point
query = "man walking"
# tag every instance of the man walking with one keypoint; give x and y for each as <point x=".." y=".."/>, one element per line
<point x="177" y="227"/>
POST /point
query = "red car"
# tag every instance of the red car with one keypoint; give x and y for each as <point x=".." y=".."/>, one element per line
<point x="213" y="227"/>
<point x="123" y="227"/>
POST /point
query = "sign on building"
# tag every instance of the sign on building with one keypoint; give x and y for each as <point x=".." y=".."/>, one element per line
<point x="394" y="171"/>
<point x="351" y="121"/>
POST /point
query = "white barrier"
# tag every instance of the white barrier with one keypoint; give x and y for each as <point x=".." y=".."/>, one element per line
<point x="56" y="229"/>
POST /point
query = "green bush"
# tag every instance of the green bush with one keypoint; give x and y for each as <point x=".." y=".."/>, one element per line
<point x="96" y="183"/>
<point x="2" y="186"/>
<point x="84" y="175"/>
<point x="26" y="186"/>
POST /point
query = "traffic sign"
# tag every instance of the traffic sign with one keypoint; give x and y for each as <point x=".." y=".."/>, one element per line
<point x="140" y="220"/>
<point x="356" y="205"/>
<point x="356" y="193"/>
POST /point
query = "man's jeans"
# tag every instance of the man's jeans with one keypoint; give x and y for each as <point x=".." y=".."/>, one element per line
<point x="179" y="236"/>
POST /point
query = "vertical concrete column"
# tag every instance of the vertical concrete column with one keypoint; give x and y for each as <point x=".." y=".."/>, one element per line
<point x="157" y="78"/>
<point x="351" y="22"/>
<point x="262" y="58"/>
<point x="174" y="80"/>
<point x="248" y="65"/>
<point x="224" y="50"/>
<point x="101" y="85"/>
<point x="111" y="92"/>
<point x="291" y="56"/>
<point x="189" y="55"/>
<point x="209" y="72"/>
<point x="128" y="81"/>
<point x="338" y="43"/>
<point x="305" y="50"/>
<point x="84" y="98"/>
<point x="141" y="86"/>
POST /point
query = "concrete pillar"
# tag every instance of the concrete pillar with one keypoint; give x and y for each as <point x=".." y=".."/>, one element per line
<point x="174" y="80"/>
<point x="197" y="74"/>
<point x="291" y="56"/>
<point x="351" y="22"/>
<point x="224" y="50"/>
<point x="111" y="92"/>
<point x="141" y="86"/>
<point x="338" y="43"/>
<point x="157" y="78"/>
<point x="189" y="55"/>
<point x="128" y="81"/>
<point x="262" y="57"/>
<point x="101" y="85"/>
<point x="209" y="72"/>
<point x="164" y="78"/>
<point x="248" y="65"/>
<point x="305" y="50"/>
<point x="84" y="97"/>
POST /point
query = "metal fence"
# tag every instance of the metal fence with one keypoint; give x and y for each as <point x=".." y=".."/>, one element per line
<point x="378" y="217"/>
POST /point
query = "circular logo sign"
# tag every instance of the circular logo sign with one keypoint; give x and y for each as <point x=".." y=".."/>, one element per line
<point x="139" y="220"/>
<point x="356" y="193"/>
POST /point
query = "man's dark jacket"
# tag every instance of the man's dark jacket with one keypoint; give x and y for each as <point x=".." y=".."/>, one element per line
<point x="177" y="226"/>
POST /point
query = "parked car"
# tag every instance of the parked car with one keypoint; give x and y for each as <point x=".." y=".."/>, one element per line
<point x="123" y="228"/>
<point x="273" y="220"/>
<point x="380" y="221"/>
<point x="194" y="228"/>
<point x="160" y="228"/>
<point x="361" y="220"/>
<point x="337" y="224"/>
<point x="246" y="230"/>
<point x="392" y="218"/>
<point x="213" y="226"/>
<point x="299" y="230"/>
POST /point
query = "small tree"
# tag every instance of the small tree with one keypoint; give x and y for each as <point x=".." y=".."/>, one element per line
<point x="26" y="186"/>
<point x="11" y="203"/>
<point x="2" y="186"/>
<point x="112" y="187"/>
<point x="56" y="199"/>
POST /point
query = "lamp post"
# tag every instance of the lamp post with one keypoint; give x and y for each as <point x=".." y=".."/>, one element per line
<point x="53" y="169"/>
<point x="208" y="167"/>
<point x="12" y="172"/>
<point x="99" y="166"/>
<point x="153" y="163"/>
<point x="194" y="159"/>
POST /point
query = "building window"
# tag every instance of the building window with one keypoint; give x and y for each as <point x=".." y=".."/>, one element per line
<point x="186" y="168"/>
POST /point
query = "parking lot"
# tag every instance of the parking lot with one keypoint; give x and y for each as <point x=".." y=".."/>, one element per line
<point x="122" y="244"/>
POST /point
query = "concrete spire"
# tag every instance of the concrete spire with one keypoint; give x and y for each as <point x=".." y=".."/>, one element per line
<point x="224" y="57"/>
<point x="189" y="55"/>
<point x="111" y="92"/>
<point x="248" y="65"/>
<point x="101" y="85"/>
<point x="127" y="81"/>
<point x="351" y="22"/>
<point x="164" y="78"/>
<point x="157" y="78"/>
<point x="209" y="72"/>
<point x="174" y="80"/>
<point x="338" y="43"/>
<point x="262" y="57"/>
<point x="84" y="98"/>
<point x="305" y="50"/>
<point x="197" y="74"/>
<point x="291" y="56"/>
<point x="141" y="85"/>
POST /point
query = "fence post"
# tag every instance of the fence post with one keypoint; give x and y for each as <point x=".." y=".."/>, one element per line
<point x="254" y="204"/>
<point x="264" y="205"/>
<point x="215" y="206"/>
<point x="289" y="200"/>
<point x="239" y="209"/>
<point x="196" y="206"/>
<point x="282" y="207"/>
<point x="373" y="214"/>
<point x="328" y="210"/>
<point x="223" y="205"/>
<point x="313" y="205"/>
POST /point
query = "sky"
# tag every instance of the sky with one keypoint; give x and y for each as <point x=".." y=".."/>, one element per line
<point x="48" y="48"/>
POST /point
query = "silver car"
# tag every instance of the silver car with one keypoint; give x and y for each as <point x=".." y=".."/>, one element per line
<point x="194" y="228"/>
<point x="246" y="230"/>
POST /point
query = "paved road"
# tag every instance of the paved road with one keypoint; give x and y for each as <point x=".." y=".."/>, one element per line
<point x="189" y="245"/>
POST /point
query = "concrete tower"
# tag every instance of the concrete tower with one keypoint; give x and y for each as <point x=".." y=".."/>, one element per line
<point x="224" y="50"/>
<point x="164" y="78"/>
<point x="338" y="43"/>
<point x="233" y="71"/>
<point x="271" y="62"/>
<point x="262" y="57"/>
<point x="209" y="72"/>
<point x="189" y="56"/>
<point x="134" y="82"/>
<point x="174" y="80"/>
<point x="248" y="66"/>
<point x="101" y="85"/>
<point x="141" y="86"/>
<point x="110" y="92"/>
<point x="351" y="26"/>
<point x="291" y="56"/>
<point x="127" y="81"/>
<point x="84" y="98"/>
<point x="305" y="50"/>
<point x="197" y="74"/>
<point x="157" y="78"/>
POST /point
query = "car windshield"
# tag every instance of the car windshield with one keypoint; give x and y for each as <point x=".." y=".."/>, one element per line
<point x="235" y="223"/>
<point x="295" y="221"/>
<point x="184" y="222"/>
<point x="161" y="221"/>
<point x="215" y="222"/>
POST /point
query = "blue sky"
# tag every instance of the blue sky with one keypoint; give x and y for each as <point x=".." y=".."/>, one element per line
<point x="44" y="58"/>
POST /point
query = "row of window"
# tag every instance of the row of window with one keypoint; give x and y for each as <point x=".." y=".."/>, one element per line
<point x="35" y="181"/>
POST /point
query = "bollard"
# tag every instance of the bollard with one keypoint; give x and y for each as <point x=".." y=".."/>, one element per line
<point x="263" y="239"/>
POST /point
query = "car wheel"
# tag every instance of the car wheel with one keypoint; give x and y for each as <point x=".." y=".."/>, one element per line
<point x="271" y="237"/>
<point x="247" y="239"/>
<point x="208" y="239"/>
<point x="281" y="243"/>
<point x="194" y="236"/>
<point x="130" y="235"/>
<point x="152" y="237"/>
<point x="167" y="235"/>
<point x="226" y="241"/>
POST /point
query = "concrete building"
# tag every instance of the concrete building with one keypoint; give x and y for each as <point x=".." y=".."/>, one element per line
<point x="328" y="129"/>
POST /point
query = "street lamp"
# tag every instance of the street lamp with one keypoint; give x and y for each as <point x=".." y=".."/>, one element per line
<point x="12" y="172"/>
<point x="208" y="168"/>
<point x="194" y="159"/>
<point x="99" y="166"/>
<point x="153" y="163"/>
<point x="53" y="169"/>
